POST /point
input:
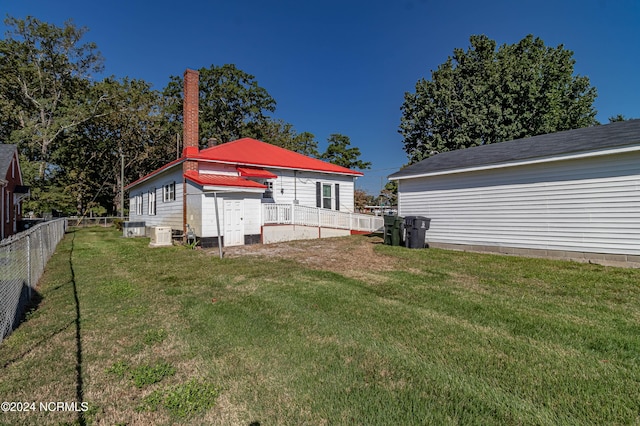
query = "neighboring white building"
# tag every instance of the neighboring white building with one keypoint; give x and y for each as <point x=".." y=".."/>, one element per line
<point x="573" y="194"/>
<point x="241" y="176"/>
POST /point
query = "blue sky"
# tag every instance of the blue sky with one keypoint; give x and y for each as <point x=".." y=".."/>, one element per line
<point x="344" y="66"/>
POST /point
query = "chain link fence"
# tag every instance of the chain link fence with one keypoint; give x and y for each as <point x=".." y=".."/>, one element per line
<point x="105" y="222"/>
<point x="23" y="258"/>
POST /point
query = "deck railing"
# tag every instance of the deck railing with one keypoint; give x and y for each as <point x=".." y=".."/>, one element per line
<point x="293" y="214"/>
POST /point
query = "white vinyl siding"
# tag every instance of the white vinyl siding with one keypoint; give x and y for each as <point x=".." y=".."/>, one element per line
<point x="201" y="207"/>
<point x="587" y="205"/>
<point x="194" y="207"/>
<point x="304" y="188"/>
<point x="251" y="216"/>
<point x="168" y="213"/>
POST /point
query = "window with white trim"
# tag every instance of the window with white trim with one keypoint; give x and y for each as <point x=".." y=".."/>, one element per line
<point x="132" y="205"/>
<point x="138" y="202"/>
<point x="326" y="195"/>
<point x="169" y="192"/>
<point x="152" y="202"/>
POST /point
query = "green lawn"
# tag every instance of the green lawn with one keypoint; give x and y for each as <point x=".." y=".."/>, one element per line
<point x="175" y="336"/>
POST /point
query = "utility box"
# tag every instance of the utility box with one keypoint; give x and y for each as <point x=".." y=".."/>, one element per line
<point x="160" y="236"/>
<point x="416" y="231"/>
<point x="133" y="229"/>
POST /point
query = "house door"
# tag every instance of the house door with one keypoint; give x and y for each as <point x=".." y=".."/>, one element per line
<point x="233" y="223"/>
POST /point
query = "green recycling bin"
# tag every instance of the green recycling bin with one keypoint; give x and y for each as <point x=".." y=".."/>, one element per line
<point x="393" y="230"/>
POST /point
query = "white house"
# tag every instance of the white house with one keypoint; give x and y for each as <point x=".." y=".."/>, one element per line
<point x="572" y="194"/>
<point x="221" y="192"/>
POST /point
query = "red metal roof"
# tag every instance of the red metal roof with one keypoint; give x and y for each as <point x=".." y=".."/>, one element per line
<point x="221" y="180"/>
<point x="255" y="173"/>
<point x="253" y="152"/>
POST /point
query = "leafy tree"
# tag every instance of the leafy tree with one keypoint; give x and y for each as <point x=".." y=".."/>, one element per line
<point x="232" y="104"/>
<point x="389" y="195"/>
<point x="616" y="118"/>
<point x="484" y="95"/>
<point x="276" y="132"/>
<point x="305" y="143"/>
<point x="45" y="72"/>
<point x="129" y="127"/>
<point x="282" y="134"/>
<point x="362" y="199"/>
<point x="338" y="152"/>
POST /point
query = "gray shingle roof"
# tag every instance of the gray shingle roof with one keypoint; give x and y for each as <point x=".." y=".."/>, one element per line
<point x="608" y="136"/>
<point x="6" y="154"/>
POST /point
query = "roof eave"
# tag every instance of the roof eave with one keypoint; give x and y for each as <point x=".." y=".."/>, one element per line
<point x="572" y="156"/>
<point x="221" y="188"/>
<point x="271" y="166"/>
<point x="156" y="172"/>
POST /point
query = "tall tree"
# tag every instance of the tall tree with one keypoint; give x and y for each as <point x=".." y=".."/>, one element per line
<point x="274" y="131"/>
<point x="361" y="199"/>
<point x="45" y="71"/>
<point x="484" y="95"/>
<point x="306" y="143"/>
<point x="282" y="134"/>
<point x="617" y="118"/>
<point x="338" y="152"/>
<point x="232" y="104"/>
<point x="130" y="129"/>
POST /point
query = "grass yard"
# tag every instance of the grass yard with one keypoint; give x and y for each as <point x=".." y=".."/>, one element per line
<point x="175" y="336"/>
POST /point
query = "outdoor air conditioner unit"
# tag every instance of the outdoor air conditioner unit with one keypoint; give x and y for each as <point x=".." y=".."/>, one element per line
<point x="160" y="236"/>
<point x="133" y="229"/>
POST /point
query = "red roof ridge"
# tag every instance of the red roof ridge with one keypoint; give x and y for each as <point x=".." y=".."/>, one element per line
<point x="258" y="153"/>
<point x="255" y="153"/>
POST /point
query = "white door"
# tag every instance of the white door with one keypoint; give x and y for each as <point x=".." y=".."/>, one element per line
<point x="233" y="223"/>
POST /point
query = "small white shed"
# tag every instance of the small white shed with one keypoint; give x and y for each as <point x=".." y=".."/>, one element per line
<point x="572" y="194"/>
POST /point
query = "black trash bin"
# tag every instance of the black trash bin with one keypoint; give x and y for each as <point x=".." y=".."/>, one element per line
<point x="393" y="230"/>
<point x="416" y="231"/>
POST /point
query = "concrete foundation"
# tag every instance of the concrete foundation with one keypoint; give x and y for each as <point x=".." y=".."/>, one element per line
<point x="623" y="260"/>
<point x="279" y="233"/>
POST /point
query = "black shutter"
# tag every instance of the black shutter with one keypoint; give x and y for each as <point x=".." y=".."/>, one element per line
<point x="337" y="196"/>
<point x="318" y="194"/>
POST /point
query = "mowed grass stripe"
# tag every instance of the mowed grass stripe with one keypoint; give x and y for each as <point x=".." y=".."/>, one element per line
<point x="442" y="338"/>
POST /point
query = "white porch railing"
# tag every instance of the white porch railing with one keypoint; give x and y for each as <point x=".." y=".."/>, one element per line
<point x="293" y="214"/>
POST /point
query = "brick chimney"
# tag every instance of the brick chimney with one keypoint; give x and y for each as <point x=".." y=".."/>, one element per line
<point x="189" y="136"/>
<point x="190" y="118"/>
